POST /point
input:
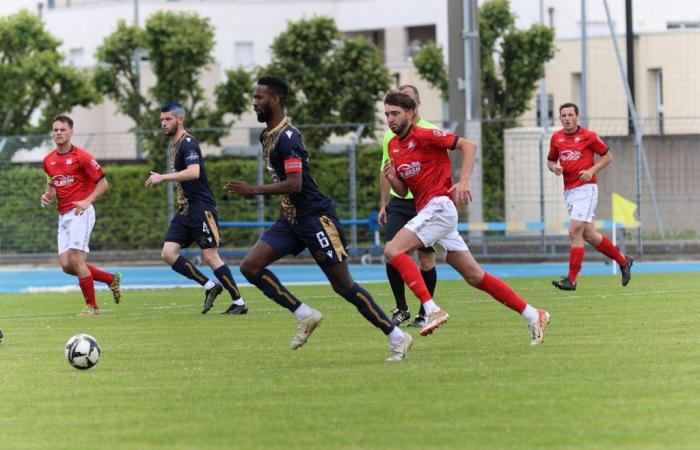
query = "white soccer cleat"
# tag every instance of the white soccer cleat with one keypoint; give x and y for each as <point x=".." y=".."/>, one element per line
<point x="537" y="328"/>
<point x="397" y="352"/>
<point x="433" y="321"/>
<point x="305" y="328"/>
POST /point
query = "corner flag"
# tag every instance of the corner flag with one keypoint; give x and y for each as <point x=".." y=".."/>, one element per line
<point x="623" y="211"/>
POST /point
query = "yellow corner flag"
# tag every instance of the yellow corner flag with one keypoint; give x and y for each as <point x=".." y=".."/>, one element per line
<point x="623" y="211"/>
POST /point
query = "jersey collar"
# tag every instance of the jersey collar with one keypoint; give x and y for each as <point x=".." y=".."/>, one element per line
<point x="408" y="131"/>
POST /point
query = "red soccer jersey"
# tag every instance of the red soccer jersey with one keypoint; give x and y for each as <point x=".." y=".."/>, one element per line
<point x="575" y="153"/>
<point x="422" y="162"/>
<point x="73" y="174"/>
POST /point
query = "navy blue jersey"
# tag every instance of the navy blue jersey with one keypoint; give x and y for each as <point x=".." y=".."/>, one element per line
<point x="285" y="153"/>
<point x="194" y="193"/>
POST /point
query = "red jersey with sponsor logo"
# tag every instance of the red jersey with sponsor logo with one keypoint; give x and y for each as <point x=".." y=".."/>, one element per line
<point x="575" y="153"/>
<point x="73" y="174"/>
<point x="422" y="162"/>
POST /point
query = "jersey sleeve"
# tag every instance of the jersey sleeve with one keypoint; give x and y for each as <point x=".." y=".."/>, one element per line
<point x="290" y="148"/>
<point x="189" y="152"/>
<point x="92" y="168"/>
<point x="388" y="136"/>
<point x="553" y="153"/>
<point x="436" y="139"/>
<point x="597" y="144"/>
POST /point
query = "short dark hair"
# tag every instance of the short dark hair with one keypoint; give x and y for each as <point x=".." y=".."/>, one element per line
<point x="399" y="99"/>
<point x="411" y="87"/>
<point x="277" y="86"/>
<point x="173" y="107"/>
<point x="64" y="119"/>
<point x="569" y="105"/>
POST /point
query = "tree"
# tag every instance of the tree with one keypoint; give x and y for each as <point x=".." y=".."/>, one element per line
<point x="431" y="67"/>
<point x="34" y="82"/>
<point x="506" y="88"/>
<point x="178" y="47"/>
<point x="334" y="79"/>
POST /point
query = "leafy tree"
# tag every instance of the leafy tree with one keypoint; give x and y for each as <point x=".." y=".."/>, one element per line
<point x="334" y="79"/>
<point x="34" y="81"/>
<point x="431" y="67"/>
<point x="179" y="47"/>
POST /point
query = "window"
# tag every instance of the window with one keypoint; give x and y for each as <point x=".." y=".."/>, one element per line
<point x="682" y="25"/>
<point x="374" y="36"/>
<point x="243" y="54"/>
<point x="417" y="36"/>
<point x="76" y="57"/>
<point x="657" y="98"/>
<point x="550" y="109"/>
<point x="575" y="95"/>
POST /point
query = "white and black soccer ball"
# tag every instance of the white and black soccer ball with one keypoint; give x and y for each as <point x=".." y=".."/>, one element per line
<point x="82" y="351"/>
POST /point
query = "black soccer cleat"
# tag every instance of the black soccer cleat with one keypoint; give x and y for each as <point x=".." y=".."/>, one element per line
<point x="210" y="296"/>
<point x="418" y="322"/>
<point x="565" y="284"/>
<point x="399" y="316"/>
<point x="235" y="309"/>
<point x="626" y="270"/>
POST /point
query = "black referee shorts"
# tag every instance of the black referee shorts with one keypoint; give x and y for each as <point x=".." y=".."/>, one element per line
<point x="399" y="211"/>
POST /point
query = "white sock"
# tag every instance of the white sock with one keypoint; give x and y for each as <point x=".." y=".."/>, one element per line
<point x="209" y="284"/>
<point x="395" y="336"/>
<point x="239" y="302"/>
<point x="430" y="307"/>
<point x="303" y="312"/>
<point x="530" y="314"/>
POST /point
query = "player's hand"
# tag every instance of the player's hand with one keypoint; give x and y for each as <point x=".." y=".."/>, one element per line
<point x="557" y="169"/>
<point x="154" y="179"/>
<point x="239" y="187"/>
<point x="46" y="200"/>
<point x="586" y="175"/>
<point x="389" y="170"/>
<point x="462" y="192"/>
<point x="81" y="206"/>
<point x="381" y="218"/>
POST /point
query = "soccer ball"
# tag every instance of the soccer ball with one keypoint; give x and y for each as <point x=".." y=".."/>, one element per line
<point x="82" y="351"/>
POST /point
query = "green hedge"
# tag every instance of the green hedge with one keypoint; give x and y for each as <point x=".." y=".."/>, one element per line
<point x="130" y="217"/>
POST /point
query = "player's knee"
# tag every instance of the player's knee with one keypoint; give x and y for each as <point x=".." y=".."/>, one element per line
<point x="390" y="252"/>
<point x="67" y="266"/>
<point x="211" y="260"/>
<point x="168" y="256"/>
<point x="249" y="269"/>
<point x="427" y="261"/>
<point x="342" y="287"/>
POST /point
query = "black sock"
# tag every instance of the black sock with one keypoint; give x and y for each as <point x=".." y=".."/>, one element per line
<point x="430" y="279"/>
<point x="397" y="287"/>
<point x="268" y="283"/>
<point x="224" y="275"/>
<point x="364" y="303"/>
<point x="184" y="267"/>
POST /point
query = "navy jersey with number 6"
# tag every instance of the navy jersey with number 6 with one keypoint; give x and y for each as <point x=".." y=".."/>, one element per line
<point x="194" y="193"/>
<point x="285" y="153"/>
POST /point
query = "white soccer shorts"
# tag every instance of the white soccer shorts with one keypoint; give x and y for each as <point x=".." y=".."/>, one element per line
<point x="581" y="202"/>
<point x="436" y="223"/>
<point x="74" y="230"/>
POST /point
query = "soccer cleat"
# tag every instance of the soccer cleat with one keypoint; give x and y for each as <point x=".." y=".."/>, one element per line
<point x="418" y="322"/>
<point x="399" y="316"/>
<point x="1" y="336"/>
<point x="235" y="309"/>
<point x="537" y="328"/>
<point x="90" y="311"/>
<point x="116" y="287"/>
<point x="565" y="284"/>
<point x="397" y="352"/>
<point x="626" y="270"/>
<point x="305" y="328"/>
<point x="209" y="297"/>
<point x="433" y="321"/>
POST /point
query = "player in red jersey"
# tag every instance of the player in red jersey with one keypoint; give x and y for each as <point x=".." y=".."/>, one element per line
<point x="76" y="180"/>
<point x="572" y="153"/>
<point x="420" y="163"/>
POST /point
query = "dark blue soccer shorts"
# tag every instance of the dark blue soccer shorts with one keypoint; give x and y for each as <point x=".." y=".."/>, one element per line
<point x="322" y="234"/>
<point x="198" y="225"/>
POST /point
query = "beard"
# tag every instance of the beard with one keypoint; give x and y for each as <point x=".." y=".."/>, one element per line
<point x="170" y="132"/>
<point x="262" y="115"/>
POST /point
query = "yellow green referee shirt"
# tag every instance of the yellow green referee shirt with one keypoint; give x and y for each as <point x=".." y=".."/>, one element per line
<point x="388" y="136"/>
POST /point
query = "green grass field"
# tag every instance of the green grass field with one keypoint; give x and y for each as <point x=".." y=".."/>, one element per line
<point x="620" y="368"/>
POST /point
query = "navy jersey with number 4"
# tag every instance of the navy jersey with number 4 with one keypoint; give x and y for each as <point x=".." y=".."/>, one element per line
<point x="289" y="155"/>
<point x="193" y="193"/>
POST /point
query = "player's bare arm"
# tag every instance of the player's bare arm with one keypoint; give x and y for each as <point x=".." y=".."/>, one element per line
<point x="48" y="196"/>
<point x="604" y="161"/>
<point x="291" y="185"/>
<point x="462" y="188"/>
<point x="100" y="188"/>
<point x="189" y="174"/>
<point x="396" y="183"/>
<point x="384" y="188"/>
<point x="555" y="167"/>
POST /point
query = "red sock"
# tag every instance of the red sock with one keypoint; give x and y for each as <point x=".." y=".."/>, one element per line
<point x="100" y="275"/>
<point x="607" y="248"/>
<point x="411" y="275"/>
<point x="502" y="292"/>
<point x="87" y="285"/>
<point x="575" y="261"/>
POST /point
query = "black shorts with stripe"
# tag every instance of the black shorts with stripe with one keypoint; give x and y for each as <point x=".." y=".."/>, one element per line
<point x="200" y="225"/>
<point x="322" y="234"/>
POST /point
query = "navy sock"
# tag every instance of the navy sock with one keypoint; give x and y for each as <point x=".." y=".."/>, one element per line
<point x="364" y="303"/>
<point x="224" y="275"/>
<point x="271" y="286"/>
<point x="397" y="287"/>
<point x="184" y="267"/>
<point x="430" y="278"/>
